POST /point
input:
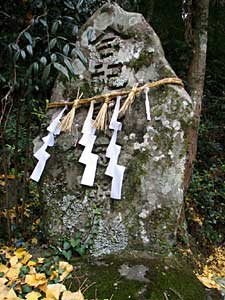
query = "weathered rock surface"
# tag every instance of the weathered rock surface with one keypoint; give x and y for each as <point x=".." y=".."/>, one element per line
<point x="121" y="49"/>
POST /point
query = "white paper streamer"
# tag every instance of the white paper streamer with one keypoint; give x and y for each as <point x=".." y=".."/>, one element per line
<point x="113" y="151"/>
<point x="41" y="155"/>
<point x="147" y="104"/>
<point x="87" y="158"/>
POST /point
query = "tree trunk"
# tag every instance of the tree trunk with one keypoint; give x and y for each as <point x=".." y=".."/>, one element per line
<point x="199" y="10"/>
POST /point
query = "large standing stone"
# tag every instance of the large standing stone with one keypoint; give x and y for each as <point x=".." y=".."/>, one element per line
<point x="121" y="49"/>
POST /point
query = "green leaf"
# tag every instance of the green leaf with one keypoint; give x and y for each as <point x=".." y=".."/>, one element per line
<point x="68" y="18"/>
<point x="23" y="54"/>
<point x="55" y="26"/>
<point x="61" y="69"/>
<point x="81" y="250"/>
<point x="16" y="56"/>
<point x="29" y="49"/>
<point x="57" y="280"/>
<point x="49" y="272"/>
<point x="69" y="4"/>
<point x="24" y="270"/>
<point x="26" y="289"/>
<point x="2" y="78"/>
<point x="35" y="68"/>
<point x="46" y="72"/>
<point x="69" y="65"/>
<point x="53" y="57"/>
<point x="66" y="49"/>
<point x="74" y="243"/>
<point x="28" y="71"/>
<point x="14" y="46"/>
<point x="67" y="254"/>
<point x="37" y="39"/>
<point x="28" y="37"/>
<point x="75" y="30"/>
<point x="77" y="52"/>
<point x="43" y="22"/>
<point x="43" y="60"/>
<point x="62" y="38"/>
<point x="78" y="235"/>
<point x="66" y="245"/>
<point x="52" y="43"/>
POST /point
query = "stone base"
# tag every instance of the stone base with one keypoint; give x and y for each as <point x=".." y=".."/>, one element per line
<point x="139" y="276"/>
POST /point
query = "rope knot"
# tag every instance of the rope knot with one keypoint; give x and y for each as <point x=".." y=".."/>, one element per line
<point x="67" y="121"/>
<point x="107" y="98"/>
<point x="76" y="103"/>
<point x="130" y="99"/>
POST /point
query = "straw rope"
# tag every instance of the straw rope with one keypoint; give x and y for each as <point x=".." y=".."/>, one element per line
<point x="101" y="119"/>
<point x="172" y="80"/>
<point x="7" y="176"/>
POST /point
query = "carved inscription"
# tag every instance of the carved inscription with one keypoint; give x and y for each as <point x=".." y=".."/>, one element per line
<point x="107" y="67"/>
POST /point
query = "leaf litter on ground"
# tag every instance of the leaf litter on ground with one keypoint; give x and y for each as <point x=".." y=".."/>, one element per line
<point x="213" y="274"/>
<point x="22" y="277"/>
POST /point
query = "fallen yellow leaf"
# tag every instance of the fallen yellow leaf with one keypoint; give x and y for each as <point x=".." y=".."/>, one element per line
<point x="20" y="252"/>
<point x="3" y="290"/>
<point x="26" y="258"/>
<point x="63" y="276"/>
<point x="35" y="279"/>
<point x="67" y="295"/>
<point x="8" y="252"/>
<point x="31" y="263"/>
<point x="54" y="290"/>
<point x="13" y="261"/>
<point x="41" y="260"/>
<point x="67" y="267"/>
<point x="13" y="272"/>
<point x="12" y="295"/>
<point x="34" y="241"/>
<point x="33" y="295"/>
<point x="3" y="268"/>
<point x="3" y="281"/>
<point x="78" y="295"/>
<point x="54" y="274"/>
<point x="8" y="294"/>
<point x="43" y="287"/>
<point x="32" y="270"/>
<point x="209" y="282"/>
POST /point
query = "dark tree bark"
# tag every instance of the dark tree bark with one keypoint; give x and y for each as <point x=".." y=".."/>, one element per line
<point x="198" y="24"/>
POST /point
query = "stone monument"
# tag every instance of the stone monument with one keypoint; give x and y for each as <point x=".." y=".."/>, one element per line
<point x="121" y="50"/>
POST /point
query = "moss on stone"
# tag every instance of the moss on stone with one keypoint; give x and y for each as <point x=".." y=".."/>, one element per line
<point x="135" y="172"/>
<point x="170" y="276"/>
<point x="144" y="59"/>
<point x="162" y="238"/>
<point x="134" y="33"/>
<point x="86" y="89"/>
